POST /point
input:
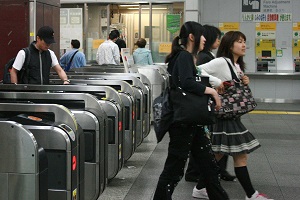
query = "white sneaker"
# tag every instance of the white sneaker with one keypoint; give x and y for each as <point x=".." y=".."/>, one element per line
<point x="200" y="194"/>
<point x="258" y="196"/>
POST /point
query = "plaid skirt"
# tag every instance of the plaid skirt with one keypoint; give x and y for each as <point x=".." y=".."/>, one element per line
<point x="230" y="137"/>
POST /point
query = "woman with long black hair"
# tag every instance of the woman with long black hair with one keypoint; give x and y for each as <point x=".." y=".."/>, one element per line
<point x="186" y="138"/>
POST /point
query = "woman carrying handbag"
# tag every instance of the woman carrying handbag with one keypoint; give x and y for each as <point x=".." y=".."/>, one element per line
<point x="188" y="138"/>
<point x="230" y="136"/>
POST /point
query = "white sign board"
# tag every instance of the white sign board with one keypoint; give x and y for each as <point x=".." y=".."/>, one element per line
<point x="70" y="26"/>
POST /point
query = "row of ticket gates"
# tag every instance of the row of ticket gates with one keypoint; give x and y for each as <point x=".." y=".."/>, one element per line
<point x="66" y="142"/>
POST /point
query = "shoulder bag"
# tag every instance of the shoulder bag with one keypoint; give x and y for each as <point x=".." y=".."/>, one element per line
<point x="237" y="99"/>
<point x="192" y="109"/>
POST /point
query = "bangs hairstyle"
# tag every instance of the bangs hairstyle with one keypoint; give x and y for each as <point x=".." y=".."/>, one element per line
<point x="187" y="28"/>
<point x="226" y="45"/>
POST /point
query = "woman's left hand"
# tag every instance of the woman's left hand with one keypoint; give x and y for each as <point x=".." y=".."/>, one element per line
<point x="245" y="80"/>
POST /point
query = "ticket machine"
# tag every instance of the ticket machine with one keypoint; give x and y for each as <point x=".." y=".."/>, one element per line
<point x="265" y="55"/>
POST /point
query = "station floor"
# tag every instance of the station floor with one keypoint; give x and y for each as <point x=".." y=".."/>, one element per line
<point x="274" y="168"/>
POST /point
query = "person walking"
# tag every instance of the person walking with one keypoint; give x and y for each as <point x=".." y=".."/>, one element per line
<point x="108" y="52"/>
<point x="188" y="139"/>
<point x="42" y="59"/>
<point x="73" y="58"/>
<point x="212" y="35"/>
<point x="120" y="42"/>
<point x="141" y="55"/>
<point x="230" y="136"/>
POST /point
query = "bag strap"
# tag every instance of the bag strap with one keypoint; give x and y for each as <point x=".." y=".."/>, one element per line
<point x="72" y="57"/>
<point x="233" y="75"/>
<point x="68" y="66"/>
<point x="26" y="64"/>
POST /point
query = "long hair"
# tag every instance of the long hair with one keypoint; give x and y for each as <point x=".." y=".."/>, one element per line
<point x="211" y="33"/>
<point x="187" y="28"/>
<point x="226" y="45"/>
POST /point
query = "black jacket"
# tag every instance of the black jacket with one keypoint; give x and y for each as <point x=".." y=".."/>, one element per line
<point x="183" y="73"/>
<point x="37" y="69"/>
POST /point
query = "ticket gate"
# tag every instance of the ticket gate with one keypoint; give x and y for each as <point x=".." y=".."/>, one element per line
<point x="23" y="164"/>
<point x="142" y="112"/>
<point x="155" y="77"/>
<point x="158" y="78"/>
<point x="142" y="77"/>
<point x="139" y="90"/>
<point x="127" y="95"/>
<point x="57" y="132"/>
<point x="91" y="117"/>
<point x="112" y="105"/>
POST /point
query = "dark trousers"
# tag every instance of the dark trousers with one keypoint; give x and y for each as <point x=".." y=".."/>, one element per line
<point x="193" y="171"/>
<point x="183" y="141"/>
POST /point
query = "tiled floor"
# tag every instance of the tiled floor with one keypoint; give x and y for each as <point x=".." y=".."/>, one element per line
<point x="274" y="168"/>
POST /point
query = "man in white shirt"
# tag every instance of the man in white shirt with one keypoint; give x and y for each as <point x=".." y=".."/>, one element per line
<point x="108" y="52"/>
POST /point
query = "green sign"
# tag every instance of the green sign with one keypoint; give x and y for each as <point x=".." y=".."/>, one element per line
<point x="173" y="22"/>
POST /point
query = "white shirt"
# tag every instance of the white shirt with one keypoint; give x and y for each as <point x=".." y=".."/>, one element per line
<point x="20" y="59"/>
<point x="219" y="69"/>
<point x="108" y="53"/>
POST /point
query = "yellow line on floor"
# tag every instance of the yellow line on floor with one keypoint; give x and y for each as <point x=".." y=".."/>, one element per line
<point x="274" y="112"/>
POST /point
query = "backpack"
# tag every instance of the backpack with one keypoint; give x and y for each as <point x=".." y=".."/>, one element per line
<point x="21" y="73"/>
<point x="162" y="114"/>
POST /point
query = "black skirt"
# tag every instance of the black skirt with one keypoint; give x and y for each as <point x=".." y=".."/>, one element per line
<point x="231" y="137"/>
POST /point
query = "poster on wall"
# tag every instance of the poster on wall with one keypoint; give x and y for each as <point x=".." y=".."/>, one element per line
<point x="266" y="11"/>
<point x="173" y="22"/>
<point x="70" y="27"/>
<point x="228" y="26"/>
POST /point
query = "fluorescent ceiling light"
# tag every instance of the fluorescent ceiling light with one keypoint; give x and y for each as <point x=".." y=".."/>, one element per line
<point x="147" y="8"/>
<point x="127" y="5"/>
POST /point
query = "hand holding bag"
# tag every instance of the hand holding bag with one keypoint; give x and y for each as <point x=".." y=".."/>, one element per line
<point x="237" y="99"/>
<point x="193" y="109"/>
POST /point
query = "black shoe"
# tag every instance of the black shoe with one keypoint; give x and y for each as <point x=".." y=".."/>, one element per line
<point x="191" y="179"/>
<point x="227" y="177"/>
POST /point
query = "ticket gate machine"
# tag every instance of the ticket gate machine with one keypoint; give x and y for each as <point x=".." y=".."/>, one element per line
<point x="60" y="136"/>
<point x="139" y="90"/>
<point x="146" y="88"/>
<point x="127" y="95"/>
<point x="112" y="105"/>
<point x="24" y="164"/>
<point x="91" y="117"/>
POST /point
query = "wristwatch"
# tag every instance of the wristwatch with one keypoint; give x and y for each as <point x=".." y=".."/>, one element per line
<point x="67" y="80"/>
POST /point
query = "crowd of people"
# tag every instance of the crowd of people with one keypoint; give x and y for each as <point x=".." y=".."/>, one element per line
<point x="191" y="55"/>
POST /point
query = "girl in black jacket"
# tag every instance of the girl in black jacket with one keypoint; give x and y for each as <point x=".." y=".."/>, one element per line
<point x="185" y="138"/>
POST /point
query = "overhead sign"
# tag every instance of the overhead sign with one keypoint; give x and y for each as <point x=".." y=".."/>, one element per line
<point x="267" y="10"/>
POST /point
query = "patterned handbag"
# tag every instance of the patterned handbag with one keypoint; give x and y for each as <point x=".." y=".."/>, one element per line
<point x="237" y="99"/>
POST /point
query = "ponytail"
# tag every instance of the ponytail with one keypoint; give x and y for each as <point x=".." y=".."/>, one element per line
<point x="174" y="50"/>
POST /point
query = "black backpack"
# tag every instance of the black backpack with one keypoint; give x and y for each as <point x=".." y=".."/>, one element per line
<point x="21" y="73"/>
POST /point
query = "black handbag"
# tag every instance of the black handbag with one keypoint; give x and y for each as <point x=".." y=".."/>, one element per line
<point x="190" y="108"/>
<point x="162" y="114"/>
<point x="237" y="99"/>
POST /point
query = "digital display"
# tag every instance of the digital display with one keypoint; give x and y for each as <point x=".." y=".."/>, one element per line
<point x="266" y="54"/>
